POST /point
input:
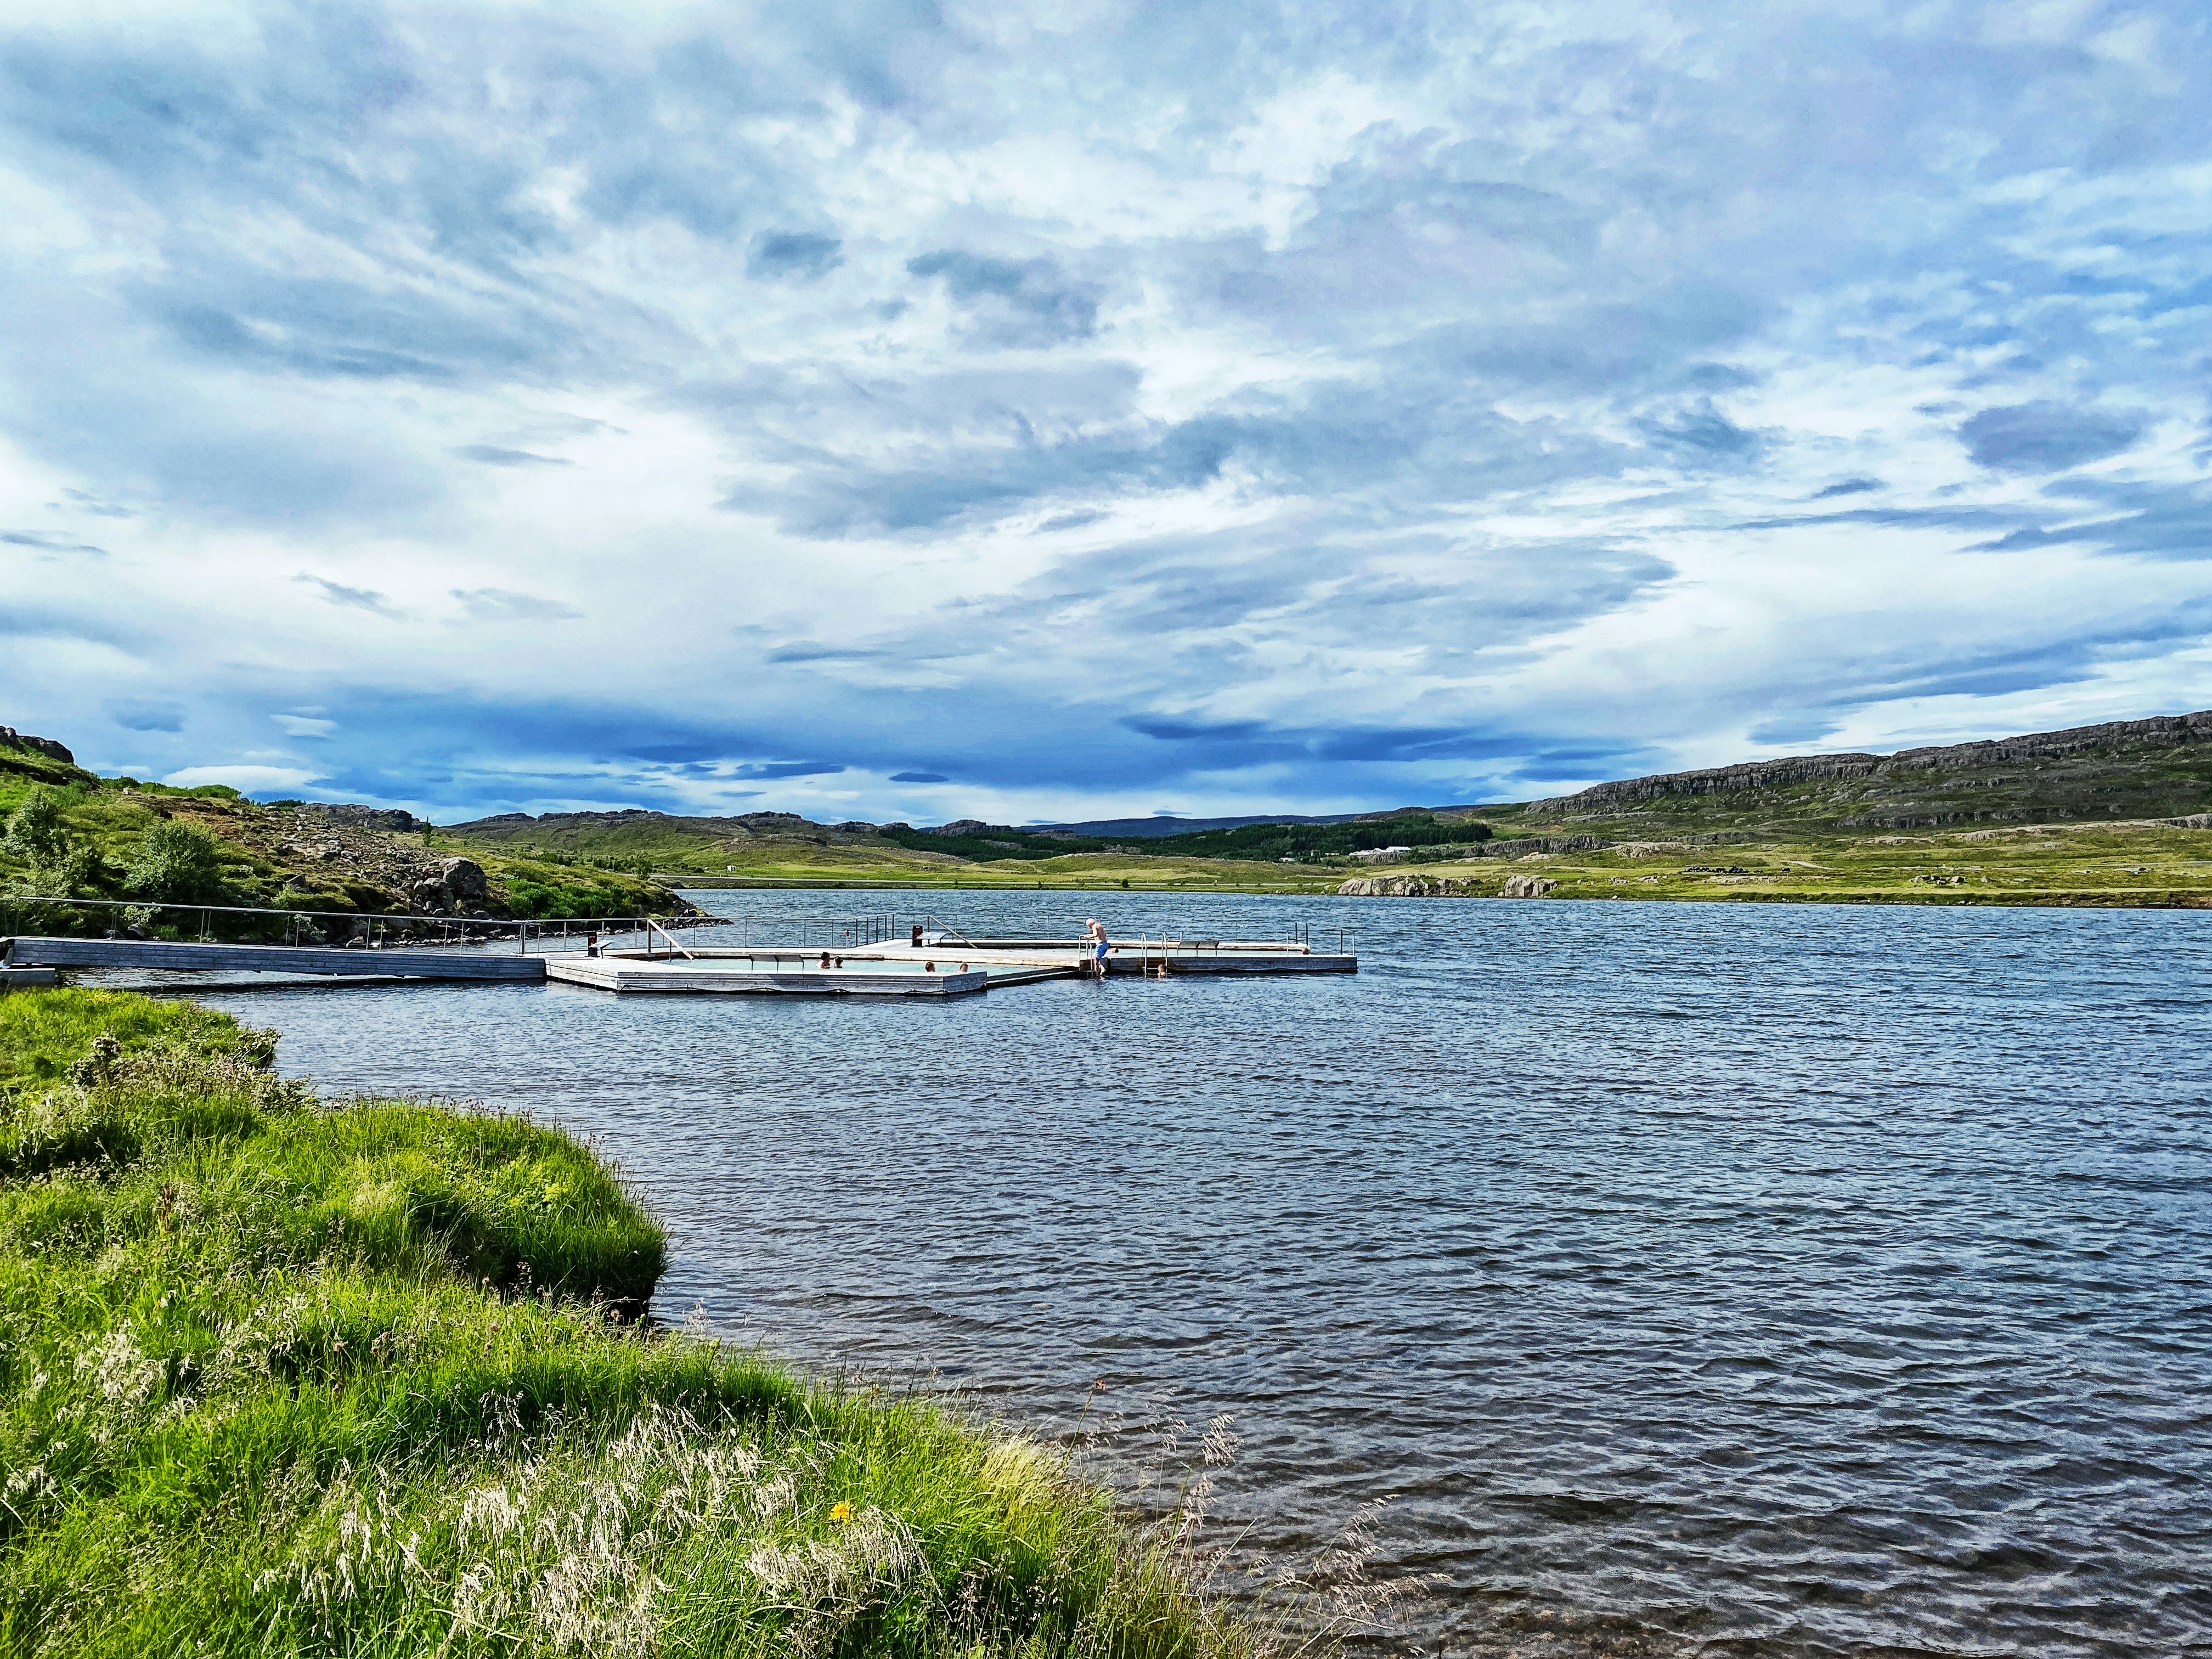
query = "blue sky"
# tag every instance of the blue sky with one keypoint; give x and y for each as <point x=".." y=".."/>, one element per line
<point x="1022" y="412"/>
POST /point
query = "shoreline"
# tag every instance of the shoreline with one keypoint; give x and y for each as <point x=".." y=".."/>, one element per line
<point x="286" y="1371"/>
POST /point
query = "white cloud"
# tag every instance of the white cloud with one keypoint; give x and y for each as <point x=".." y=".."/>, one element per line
<point x="1404" y="412"/>
<point x="243" y="778"/>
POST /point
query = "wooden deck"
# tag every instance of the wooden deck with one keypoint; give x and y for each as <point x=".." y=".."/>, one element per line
<point x="1128" y="956"/>
<point x="270" y="959"/>
<point x="943" y="970"/>
<point x="785" y="974"/>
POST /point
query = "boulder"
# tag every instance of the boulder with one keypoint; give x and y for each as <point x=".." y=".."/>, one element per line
<point x="463" y="879"/>
<point x="1527" y="886"/>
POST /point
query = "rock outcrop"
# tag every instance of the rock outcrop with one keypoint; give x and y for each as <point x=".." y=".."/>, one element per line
<point x="1526" y="887"/>
<point x="11" y="739"/>
<point x="1521" y="846"/>
<point x="366" y="817"/>
<point x="1410" y="887"/>
<point x="1811" y="768"/>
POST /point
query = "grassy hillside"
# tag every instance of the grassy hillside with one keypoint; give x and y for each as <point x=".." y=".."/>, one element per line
<point x="2130" y="770"/>
<point x="120" y="839"/>
<point x="1827" y="818"/>
<point x="280" y="1377"/>
<point x="780" y="847"/>
<point x="2138" y="864"/>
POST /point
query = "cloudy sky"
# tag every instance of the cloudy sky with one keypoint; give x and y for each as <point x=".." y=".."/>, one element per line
<point x="1040" y="411"/>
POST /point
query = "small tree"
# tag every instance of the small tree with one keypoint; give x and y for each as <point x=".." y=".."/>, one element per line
<point x="176" y="863"/>
<point x="35" y="833"/>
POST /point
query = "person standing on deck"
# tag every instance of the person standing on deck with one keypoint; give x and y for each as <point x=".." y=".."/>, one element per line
<point x="1095" y="931"/>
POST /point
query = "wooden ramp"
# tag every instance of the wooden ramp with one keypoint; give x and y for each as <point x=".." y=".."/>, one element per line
<point x="268" y="960"/>
<point x="761" y="972"/>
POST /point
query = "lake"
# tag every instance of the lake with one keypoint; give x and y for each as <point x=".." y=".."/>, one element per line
<point x="1726" y="1279"/>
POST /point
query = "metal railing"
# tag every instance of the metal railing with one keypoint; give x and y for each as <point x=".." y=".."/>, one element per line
<point x="239" y="924"/>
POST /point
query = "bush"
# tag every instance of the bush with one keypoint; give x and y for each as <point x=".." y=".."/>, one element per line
<point x="176" y="863"/>
<point x="35" y="833"/>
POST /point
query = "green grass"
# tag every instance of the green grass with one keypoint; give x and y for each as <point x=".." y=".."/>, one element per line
<point x="2078" y="865"/>
<point x="282" y="1377"/>
<point x="263" y="864"/>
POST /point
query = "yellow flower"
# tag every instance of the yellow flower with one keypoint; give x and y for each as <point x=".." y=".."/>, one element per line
<point x="841" y="1511"/>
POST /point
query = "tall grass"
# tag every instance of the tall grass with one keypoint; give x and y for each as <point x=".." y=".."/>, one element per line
<point x="280" y="1376"/>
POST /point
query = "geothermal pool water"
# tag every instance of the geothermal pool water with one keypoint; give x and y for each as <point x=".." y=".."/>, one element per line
<point x="1788" y="1280"/>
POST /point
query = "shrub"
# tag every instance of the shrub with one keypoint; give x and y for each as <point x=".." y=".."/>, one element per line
<point x="35" y="833"/>
<point x="176" y="863"/>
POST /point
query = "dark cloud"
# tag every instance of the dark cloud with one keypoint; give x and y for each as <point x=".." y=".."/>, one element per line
<point x="1013" y="303"/>
<point x="812" y="651"/>
<point x="83" y="501"/>
<point x="1701" y="430"/>
<point x="134" y="716"/>
<point x="2153" y="521"/>
<point x="787" y="769"/>
<point x="1848" y="487"/>
<point x="919" y="777"/>
<point x="47" y="543"/>
<point x="350" y="598"/>
<point x="1795" y="728"/>
<point x="493" y="455"/>
<point x="791" y="255"/>
<point x="2046" y="437"/>
<point x="500" y="605"/>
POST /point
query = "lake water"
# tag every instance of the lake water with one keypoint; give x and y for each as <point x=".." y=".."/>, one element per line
<point x="1779" y="1280"/>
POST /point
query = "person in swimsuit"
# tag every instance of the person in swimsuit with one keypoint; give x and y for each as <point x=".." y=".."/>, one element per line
<point x="1095" y="930"/>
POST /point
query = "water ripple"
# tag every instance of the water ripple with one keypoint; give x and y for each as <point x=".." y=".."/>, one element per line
<point x="1744" y="1280"/>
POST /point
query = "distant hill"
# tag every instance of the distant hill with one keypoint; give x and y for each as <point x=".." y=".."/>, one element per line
<point x="2159" y="768"/>
<point x="2147" y="768"/>
<point x="1158" y="826"/>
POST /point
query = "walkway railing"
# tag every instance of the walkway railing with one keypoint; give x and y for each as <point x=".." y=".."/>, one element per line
<point x="275" y="925"/>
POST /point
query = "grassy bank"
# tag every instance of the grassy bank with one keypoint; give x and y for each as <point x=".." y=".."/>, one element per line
<point x="2078" y="865"/>
<point x="289" y="1376"/>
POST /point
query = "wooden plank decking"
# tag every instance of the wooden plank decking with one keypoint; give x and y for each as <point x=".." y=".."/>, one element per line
<point x="268" y="960"/>
<point x="712" y="972"/>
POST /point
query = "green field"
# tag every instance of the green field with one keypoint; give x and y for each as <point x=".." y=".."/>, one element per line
<point x="279" y="1376"/>
<point x="2095" y="864"/>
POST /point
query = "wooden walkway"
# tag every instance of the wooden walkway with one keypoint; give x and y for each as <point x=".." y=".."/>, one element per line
<point x="794" y="975"/>
<point x="268" y="960"/>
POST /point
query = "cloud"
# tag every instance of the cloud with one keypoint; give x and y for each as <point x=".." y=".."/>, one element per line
<point x="501" y="605"/>
<point x="1010" y="302"/>
<point x="787" y="769"/>
<point x="137" y="716"/>
<point x="2047" y="437"/>
<point x="789" y="255"/>
<point x="245" y="779"/>
<point x="493" y="455"/>
<point x="1795" y="728"/>
<point x="304" y="726"/>
<point x="83" y="501"/>
<point x="350" y="598"/>
<point x="1256" y="407"/>
<point x="1700" y="430"/>
<point x="47" y="543"/>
